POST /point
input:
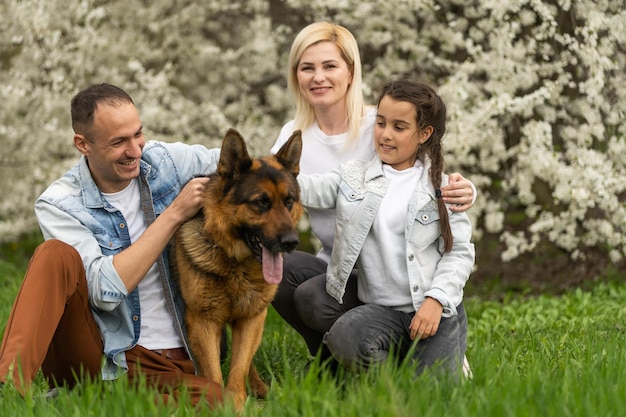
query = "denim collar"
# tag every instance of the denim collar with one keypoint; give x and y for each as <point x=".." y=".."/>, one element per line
<point x="92" y="197"/>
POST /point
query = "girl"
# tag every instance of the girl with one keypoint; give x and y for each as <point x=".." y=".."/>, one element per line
<point x="413" y="254"/>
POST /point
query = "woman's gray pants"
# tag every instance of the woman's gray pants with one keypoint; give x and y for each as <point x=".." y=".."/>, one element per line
<point x="356" y="334"/>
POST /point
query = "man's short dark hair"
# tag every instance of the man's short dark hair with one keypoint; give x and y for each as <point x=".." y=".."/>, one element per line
<point x="85" y="103"/>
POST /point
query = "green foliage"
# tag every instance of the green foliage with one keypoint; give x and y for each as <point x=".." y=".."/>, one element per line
<point x="14" y="258"/>
<point x="15" y="255"/>
<point x="543" y="356"/>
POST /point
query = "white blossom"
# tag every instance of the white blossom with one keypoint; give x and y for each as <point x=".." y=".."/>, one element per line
<point x="535" y="110"/>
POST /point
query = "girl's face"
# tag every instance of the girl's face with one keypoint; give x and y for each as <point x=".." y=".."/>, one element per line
<point x="396" y="135"/>
<point x="323" y="75"/>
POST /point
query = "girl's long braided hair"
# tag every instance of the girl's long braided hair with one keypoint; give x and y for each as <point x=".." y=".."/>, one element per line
<point x="430" y="111"/>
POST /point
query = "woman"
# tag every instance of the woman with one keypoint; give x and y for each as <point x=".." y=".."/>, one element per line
<point x="325" y="79"/>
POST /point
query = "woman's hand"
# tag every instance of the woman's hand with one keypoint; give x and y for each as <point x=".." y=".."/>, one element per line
<point x="459" y="192"/>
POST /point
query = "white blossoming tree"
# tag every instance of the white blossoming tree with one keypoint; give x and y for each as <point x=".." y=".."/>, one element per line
<point x="536" y="92"/>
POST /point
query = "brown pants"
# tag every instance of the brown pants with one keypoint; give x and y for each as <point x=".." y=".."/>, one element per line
<point x="52" y="327"/>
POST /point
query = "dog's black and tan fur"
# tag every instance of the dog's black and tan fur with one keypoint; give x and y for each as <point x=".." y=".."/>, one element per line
<point x="228" y="258"/>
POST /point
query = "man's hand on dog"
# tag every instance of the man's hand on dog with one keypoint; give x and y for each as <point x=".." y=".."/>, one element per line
<point x="190" y="200"/>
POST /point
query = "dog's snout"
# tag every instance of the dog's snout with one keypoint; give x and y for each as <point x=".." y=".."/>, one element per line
<point x="289" y="242"/>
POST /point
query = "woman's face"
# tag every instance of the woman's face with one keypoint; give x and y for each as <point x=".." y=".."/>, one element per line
<point x="396" y="135"/>
<point x="323" y="76"/>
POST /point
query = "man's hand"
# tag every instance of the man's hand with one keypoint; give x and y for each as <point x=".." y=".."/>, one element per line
<point x="189" y="201"/>
<point x="459" y="193"/>
<point x="426" y="321"/>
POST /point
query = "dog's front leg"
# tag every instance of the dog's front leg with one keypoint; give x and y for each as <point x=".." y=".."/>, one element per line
<point x="246" y="339"/>
<point x="205" y="337"/>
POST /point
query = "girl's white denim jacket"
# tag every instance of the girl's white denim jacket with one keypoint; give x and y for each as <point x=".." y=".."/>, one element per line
<point x="356" y="190"/>
<point x="73" y="210"/>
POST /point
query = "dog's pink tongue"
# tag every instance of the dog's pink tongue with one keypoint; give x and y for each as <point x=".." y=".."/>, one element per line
<point x="272" y="266"/>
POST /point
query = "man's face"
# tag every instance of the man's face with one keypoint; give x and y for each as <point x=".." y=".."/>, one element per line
<point x="113" y="146"/>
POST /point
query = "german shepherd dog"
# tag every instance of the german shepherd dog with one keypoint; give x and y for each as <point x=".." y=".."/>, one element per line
<point x="228" y="259"/>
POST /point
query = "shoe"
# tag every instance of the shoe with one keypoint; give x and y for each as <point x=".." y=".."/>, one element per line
<point x="51" y="394"/>
<point x="467" y="371"/>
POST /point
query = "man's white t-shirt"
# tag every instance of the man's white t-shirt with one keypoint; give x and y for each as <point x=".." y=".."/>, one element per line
<point x="157" y="324"/>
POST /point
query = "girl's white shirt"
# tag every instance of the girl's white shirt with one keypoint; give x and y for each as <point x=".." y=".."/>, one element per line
<point x="383" y="274"/>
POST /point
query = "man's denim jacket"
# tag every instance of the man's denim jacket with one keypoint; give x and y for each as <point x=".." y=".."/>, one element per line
<point x="73" y="210"/>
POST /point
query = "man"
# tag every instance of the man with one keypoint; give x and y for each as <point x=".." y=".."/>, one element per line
<point x="97" y="298"/>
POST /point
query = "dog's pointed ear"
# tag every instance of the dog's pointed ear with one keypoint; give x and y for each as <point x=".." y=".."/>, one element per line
<point x="234" y="158"/>
<point x="289" y="154"/>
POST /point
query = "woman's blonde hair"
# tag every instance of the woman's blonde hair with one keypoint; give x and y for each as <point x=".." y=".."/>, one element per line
<point x="340" y="36"/>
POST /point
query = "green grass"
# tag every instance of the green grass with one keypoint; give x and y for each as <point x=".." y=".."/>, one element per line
<point x="544" y="356"/>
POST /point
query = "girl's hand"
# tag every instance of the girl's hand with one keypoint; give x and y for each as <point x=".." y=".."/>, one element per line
<point x="426" y="321"/>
